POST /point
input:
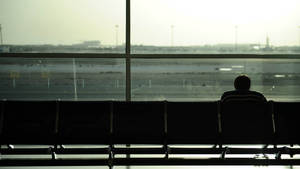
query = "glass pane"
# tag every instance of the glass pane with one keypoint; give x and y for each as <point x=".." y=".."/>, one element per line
<point x="207" y="79"/>
<point x="65" y="79"/>
<point x="215" y="26"/>
<point x="85" y="26"/>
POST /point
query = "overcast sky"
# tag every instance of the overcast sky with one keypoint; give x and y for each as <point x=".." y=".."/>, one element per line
<point x="196" y="22"/>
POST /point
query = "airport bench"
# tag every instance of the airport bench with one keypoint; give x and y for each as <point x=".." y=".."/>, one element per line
<point x="246" y="120"/>
<point x="161" y="123"/>
<point x="83" y="122"/>
<point x="27" y="122"/>
<point x="138" y="122"/>
<point x="192" y="123"/>
<point x="286" y="116"/>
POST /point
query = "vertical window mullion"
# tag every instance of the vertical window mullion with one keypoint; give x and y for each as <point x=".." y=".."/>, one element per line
<point x="128" y="53"/>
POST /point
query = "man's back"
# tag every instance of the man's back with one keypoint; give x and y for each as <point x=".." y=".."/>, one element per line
<point x="243" y="93"/>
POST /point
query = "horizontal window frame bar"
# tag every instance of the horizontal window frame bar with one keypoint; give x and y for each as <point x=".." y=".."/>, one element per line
<point x="63" y="55"/>
<point x="216" y="56"/>
<point x="145" y="151"/>
<point x="148" y="162"/>
<point x="150" y="56"/>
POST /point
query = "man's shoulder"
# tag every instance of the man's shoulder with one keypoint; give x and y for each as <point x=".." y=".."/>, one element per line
<point x="256" y="93"/>
<point x="243" y="93"/>
<point x="229" y="93"/>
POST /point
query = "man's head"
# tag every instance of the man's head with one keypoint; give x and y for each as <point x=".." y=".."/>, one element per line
<point x="242" y="82"/>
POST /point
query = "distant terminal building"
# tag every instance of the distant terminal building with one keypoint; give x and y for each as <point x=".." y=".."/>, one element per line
<point x="4" y="49"/>
<point x="89" y="44"/>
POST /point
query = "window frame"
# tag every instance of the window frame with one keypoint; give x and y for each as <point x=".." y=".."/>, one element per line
<point x="128" y="55"/>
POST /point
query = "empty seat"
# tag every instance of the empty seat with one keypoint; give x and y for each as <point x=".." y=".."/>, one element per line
<point x="84" y="122"/>
<point x="138" y="123"/>
<point x="192" y="122"/>
<point x="28" y="122"/>
<point x="246" y="120"/>
<point x="287" y="116"/>
<point x="1" y="117"/>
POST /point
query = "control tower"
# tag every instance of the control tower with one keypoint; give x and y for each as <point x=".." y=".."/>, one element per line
<point x="267" y="42"/>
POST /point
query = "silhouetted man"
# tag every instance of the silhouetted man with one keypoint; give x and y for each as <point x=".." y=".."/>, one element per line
<point x="242" y="88"/>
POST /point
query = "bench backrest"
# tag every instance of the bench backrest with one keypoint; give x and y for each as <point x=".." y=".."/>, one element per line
<point x="28" y="122"/>
<point x="287" y="116"/>
<point x="246" y="121"/>
<point x="192" y="122"/>
<point x="138" y="122"/>
<point x="240" y="122"/>
<point x="84" y="122"/>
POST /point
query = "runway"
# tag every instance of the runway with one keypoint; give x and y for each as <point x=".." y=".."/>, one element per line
<point x="173" y="80"/>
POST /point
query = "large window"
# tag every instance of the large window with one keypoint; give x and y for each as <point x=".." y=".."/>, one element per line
<point x="175" y="50"/>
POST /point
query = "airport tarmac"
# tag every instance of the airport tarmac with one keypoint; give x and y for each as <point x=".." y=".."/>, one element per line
<point x="173" y="80"/>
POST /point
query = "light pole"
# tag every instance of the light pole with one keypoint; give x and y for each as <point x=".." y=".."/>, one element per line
<point x="172" y="35"/>
<point x="117" y="33"/>
<point x="299" y="35"/>
<point x="1" y="35"/>
<point x="236" y="38"/>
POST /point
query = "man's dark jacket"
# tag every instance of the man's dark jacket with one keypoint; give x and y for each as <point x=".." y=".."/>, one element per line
<point x="243" y="93"/>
